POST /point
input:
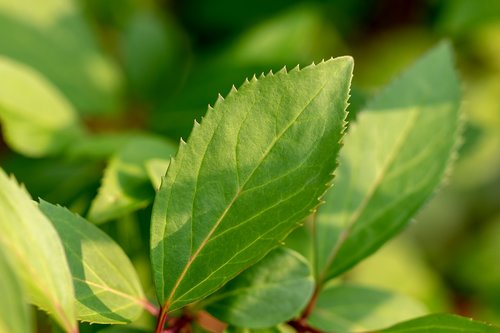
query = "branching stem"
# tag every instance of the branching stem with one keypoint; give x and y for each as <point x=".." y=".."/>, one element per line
<point x="162" y="320"/>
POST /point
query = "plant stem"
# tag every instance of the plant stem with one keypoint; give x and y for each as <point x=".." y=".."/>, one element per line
<point x="151" y="308"/>
<point x="162" y="320"/>
<point x="301" y="326"/>
<point x="312" y="303"/>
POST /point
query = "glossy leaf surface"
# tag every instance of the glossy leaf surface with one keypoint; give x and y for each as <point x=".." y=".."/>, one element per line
<point x="29" y="240"/>
<point x="15" y="317"/>
<point x="36" y="119"/>
<point x="351" y="308"/>
<point x="395" y="156"/>
<point x="107" y="288"/>
<point x="126" y="186"/>
<point x="271" y="292"/>
<point x="249" y="174"/>
<point x="441" y="323"/>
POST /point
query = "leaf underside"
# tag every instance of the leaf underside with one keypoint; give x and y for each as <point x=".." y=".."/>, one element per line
<point x="395" y="156"/>
<point x="107" y="288"/>
<point x="31" y="242"/>
<point x="248" y="175"/>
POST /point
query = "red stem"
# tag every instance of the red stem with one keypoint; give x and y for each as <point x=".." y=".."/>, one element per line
<point x="162" y="320"/>
<point x="151" y="308"/>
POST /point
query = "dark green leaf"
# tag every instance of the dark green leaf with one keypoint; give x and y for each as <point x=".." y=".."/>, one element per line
<point x="395" y="156"/>
<point x="271" y="292"/>
<point x="29" y="240"/>
<point x="351" y="308"/>
<point x="107" y="288"/>
<point x="248" y="176"/>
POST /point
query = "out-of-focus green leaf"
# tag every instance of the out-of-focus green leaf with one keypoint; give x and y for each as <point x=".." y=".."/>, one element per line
<point x="102" y="146"/>
<point x="480" y="159"/>
<point x="125" y="185"/>
<point x="52" y="37"/>
<point x="404" y="272"/>
<point x="395" y="156"/>
<point x="120" y="329"/>
<point x="155" y="54"/>
<point x="30" y="241"/>
<point x="441" y="323"/>
<point x="481" y="254"/>
<point x="15" y="317"/>
<point x="36" y="119"/>
<point x="246" y="178"/>
<point x="299" y="35"/>
<point x="461" y="17"/>
<point x="107" y="288"/>
<point x="271" y="292"/>
<point x="277" y="329"/>
<point x="56" y="179"/>
<point x="351" y="308"/>
<point x="290" y="38"/>
<point x="156" y="169"/>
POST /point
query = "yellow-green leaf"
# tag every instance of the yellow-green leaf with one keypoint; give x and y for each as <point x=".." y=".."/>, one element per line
<point x="36" y="119"/>
<point x="107" y="288"/>
<point x="29" y="240"/>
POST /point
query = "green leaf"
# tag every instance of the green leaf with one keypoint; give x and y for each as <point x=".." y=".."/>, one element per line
<point x="15" y="317"/>
<point x="29" y="240"/>
<point x="52" y="37"/>
<point x="107" y="288"/>
<point x="120" y="329"/>
<point x="395" y="156"/>
<point x="441" y="323"/>
<point x="405" y="271"/>
<point x="351" y="308"/>
<point x="36" y="119"/>
<point x="277" y="329"/>
<point x="154" y="53"/>
<point x="126" y="186"/>
<point x="102" y="146"/>
<point x="271" y="292"/>
<point x="156" y="168"/>
<point x="247" y="177"/>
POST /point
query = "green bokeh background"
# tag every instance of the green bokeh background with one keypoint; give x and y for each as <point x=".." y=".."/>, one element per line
<point x="131" y="66"/>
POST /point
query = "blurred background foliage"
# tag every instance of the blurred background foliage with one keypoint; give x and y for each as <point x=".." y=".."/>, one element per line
<point x="144" y="70"/>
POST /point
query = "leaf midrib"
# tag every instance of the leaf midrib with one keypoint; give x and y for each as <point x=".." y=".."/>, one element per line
<point x="236" y="196"/>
